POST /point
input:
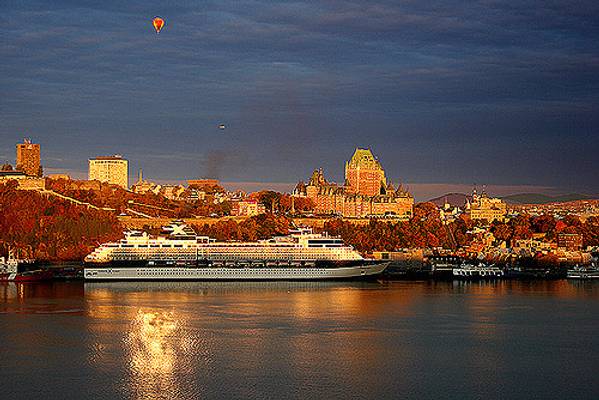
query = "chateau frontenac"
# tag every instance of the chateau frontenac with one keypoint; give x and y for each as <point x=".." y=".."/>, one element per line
<point x="365" y="192"/>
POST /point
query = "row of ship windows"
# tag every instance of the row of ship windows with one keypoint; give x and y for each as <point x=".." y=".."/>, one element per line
<point x="216" y="258"/>
<point x="246" y="262"/>
<point x="236" y="272"/>
<point x="192" y="251"/>
<point x="233" y="246"/>
<point x="214" y="253"/>
<point x="219" y="253"/>
<point x="167" y="246"/>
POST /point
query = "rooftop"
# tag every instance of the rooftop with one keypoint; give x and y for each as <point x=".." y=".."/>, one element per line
<point x="114" y="157"/>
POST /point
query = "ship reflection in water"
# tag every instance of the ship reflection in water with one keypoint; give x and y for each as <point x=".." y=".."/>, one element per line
<point x="301" y="340"/>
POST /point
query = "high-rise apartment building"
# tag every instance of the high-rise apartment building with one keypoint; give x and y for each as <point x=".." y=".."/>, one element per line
<point x="28" y="158"/>
<point x="113" y="170"/>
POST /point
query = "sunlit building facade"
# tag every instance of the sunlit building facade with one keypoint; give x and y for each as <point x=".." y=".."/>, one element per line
<point x="28" y="158"/>
<point x="569" y="241"/>
<point x="247" y="208"/>
<point x="364" y="194"/>
<point x="483" y="207"/>
<point x="364" y="174"/>
<point x="113" y="170"/>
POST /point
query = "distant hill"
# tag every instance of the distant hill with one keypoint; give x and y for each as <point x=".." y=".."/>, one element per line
<point x="455" y="199"/>
<point x="537" y="198"/>
<point x="458" y="199"/>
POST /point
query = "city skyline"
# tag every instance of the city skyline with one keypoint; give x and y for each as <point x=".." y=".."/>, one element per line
<point x="421" y="191"/>
<point x="446" y="96"/>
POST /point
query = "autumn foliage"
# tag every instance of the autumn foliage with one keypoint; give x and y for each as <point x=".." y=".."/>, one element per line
<point x="51" y="229"/>
<point x="259" y="227"/>
<point x="283" y="203"/>
<point x="426" y="230"/>
<point x="112" y="196"/>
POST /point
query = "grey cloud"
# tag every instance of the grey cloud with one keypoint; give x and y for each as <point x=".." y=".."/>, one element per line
<point x="428" y="84"/>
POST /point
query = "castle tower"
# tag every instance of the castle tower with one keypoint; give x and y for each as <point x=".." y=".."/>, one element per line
<point x="364" y="174"/>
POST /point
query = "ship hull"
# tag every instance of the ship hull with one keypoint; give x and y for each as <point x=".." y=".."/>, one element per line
<point x="169" y="273"/>
<point x="32" y="276"/>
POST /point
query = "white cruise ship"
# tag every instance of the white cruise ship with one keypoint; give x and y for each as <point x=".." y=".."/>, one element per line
<point x="181" y="254"/>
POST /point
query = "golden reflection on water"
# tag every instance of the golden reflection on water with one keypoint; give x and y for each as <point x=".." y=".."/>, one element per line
<point x="171" y="331"/>
<point x="152" y="353"/>
<point x="154" y="343"/>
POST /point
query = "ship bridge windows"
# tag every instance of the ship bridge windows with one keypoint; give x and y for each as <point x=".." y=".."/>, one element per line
<point x="325" y="243"/>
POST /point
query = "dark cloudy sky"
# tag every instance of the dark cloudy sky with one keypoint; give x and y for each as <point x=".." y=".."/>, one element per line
<point x="444" y="92"/>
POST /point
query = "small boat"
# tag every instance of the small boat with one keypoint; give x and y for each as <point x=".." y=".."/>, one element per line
<point x="480" y="271"/>
<point x="442" y="266"/>
<point x="9" y="271"/>
<point x="581" y="272"/>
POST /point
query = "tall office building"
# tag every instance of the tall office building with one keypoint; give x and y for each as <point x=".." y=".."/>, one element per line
<point x="28" y="158"/>
<point x="113" y="170"/>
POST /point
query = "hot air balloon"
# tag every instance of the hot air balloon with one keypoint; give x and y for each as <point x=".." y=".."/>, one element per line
<point x="158" y="24"/>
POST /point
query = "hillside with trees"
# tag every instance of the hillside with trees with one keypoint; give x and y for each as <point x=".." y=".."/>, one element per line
<point x="51" y="229"/>
<point x="112" y="196"/>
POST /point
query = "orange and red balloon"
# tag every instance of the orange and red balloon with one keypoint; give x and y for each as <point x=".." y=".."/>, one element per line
<point x="158" y="24"/>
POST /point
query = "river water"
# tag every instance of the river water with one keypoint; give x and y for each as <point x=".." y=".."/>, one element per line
<point x="379" y="340"/>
